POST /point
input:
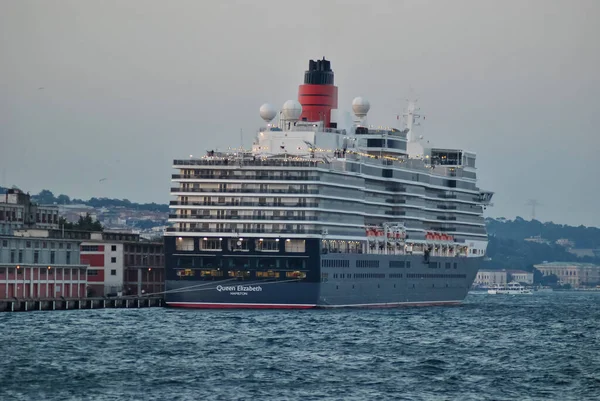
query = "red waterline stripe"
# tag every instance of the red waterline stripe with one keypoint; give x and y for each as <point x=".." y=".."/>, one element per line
<point x="204" y="305"/>
<point x="392" y="305"/>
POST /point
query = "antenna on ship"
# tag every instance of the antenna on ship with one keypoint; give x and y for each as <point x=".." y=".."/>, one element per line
<point x="241" y="154"/>
<point x="411" y="118"/>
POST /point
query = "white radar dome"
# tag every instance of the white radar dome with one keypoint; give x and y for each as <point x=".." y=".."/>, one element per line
<point x="267" y="112"/>
<point x="360" y="106"/>
<point x="292" y="110"/>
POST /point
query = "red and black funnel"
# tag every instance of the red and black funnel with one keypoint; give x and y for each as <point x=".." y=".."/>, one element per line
<point x="318" y="95"/>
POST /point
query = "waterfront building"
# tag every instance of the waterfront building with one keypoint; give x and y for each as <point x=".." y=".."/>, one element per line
<point x="567" y="243"/>
<point x="520" y="276"/>
<point x="538" y="240"/>
<point x="39" y="263"/>
<point x="122" y="264"/>
<point x="487" y="278"/>
<point x="17" y="211"/>
<point x="576" y="274"/>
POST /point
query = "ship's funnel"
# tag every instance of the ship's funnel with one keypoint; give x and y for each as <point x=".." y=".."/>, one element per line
<point x="318" y="95"/>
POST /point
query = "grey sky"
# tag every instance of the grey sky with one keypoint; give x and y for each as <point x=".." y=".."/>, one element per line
<point x="130" y="85"/>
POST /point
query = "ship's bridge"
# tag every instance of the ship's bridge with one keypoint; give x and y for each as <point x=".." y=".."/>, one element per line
<point x="300" y="139"/>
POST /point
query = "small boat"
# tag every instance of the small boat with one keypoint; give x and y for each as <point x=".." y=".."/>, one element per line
<point x="509" y="289"/>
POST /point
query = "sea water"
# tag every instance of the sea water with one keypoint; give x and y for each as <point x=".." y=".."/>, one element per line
<point x="492" y="347"/>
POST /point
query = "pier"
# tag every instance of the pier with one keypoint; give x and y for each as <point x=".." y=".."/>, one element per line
<point x="26" y="305"/>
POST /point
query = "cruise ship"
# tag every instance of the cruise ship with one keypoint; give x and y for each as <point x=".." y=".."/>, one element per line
<point x="325" y="211"/>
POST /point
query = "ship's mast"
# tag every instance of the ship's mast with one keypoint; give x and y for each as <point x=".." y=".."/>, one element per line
<point x="411" y="117"/>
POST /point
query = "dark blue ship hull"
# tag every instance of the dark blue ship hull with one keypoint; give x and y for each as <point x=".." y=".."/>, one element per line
<point x="331" y="280"/>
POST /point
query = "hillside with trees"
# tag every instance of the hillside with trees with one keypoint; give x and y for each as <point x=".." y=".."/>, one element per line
<point x="46" y="197"/>
<point x="508" y="249"/>
<point x="84" y="224"/>
<point x="519" y="229"/>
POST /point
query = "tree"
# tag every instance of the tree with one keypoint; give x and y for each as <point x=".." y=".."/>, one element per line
<point x="63" y="199"/>
<point x="550" y="280"/>
<point x="63" y="223"/>
<point x="45" y="197"/>
<point x="87" y="224"/>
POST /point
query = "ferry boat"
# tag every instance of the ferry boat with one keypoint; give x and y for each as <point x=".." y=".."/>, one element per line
<point x="325" y="214"/>
<point x="509" y="289"/>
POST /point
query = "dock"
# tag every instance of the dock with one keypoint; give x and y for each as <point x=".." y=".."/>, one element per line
<point x="26" y="305"/>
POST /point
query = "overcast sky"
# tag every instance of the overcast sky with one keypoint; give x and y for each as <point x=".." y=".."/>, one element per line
<point x="117" y="89"/>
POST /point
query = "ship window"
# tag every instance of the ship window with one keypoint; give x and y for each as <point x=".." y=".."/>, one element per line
<point x="375" y="143"/>
<point x="295" y="275"/>
<point x="394" y="144"/>
<point x="295" y="245"/>
<point x="209" y="262"/>
<point x="296" y="264"/>
<point x="269" y="263"/>
<point x="239" y="244"/>
<point x="213" y="244"/>
<point x="211" y="273"/>
<point x="267" y="274"/>
<point x="367" y="263"/>
<point x="238" y="273"/>
<point x="186" y="262"/>
<point x="335" y="263"/>
<point x="184" y="244"/>
<point x="239" y="263"/>
<point x="448" y="265"/>
<point x="267" y="245"/>
<point x="397" y="263"/>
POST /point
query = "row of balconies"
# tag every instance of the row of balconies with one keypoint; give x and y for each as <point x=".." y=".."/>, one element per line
<point x="246" y="190"/>
<point x="244" y="177"/>
<point x="247" y="230"/>
<point x="261" y="204"/>
<point x="242" y="217"/>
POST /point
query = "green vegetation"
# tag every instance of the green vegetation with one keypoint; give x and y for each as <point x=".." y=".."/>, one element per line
<point x="508" y="249"/>
<point x="519" y="229"/>
<point x="84" y="224"/>
<point x="46" y="197"/>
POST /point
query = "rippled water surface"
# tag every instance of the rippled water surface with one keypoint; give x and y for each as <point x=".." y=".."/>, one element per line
<point x="539" y="347"/>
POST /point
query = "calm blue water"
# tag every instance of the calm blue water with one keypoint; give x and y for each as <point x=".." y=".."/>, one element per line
<point x="540" y="347"/>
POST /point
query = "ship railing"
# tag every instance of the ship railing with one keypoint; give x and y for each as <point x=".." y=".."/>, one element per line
<point x="258" y="162"/>
<point x="249" y="191"/>
<point x="241" y="217"/>
<point x="417" y="247"/>
<point x="406" y="163"/>
<point x="259" y="204"/>
<point x="238" y="232"/>
<point x="243" y="177"/>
